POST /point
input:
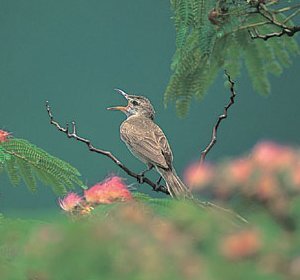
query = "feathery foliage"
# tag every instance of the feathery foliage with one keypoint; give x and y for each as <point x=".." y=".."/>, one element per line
<point x="213" y="35"/>
<point x="24" y="161"/>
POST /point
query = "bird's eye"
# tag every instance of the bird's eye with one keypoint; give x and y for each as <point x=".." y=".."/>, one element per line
<point x="135" y="103"/>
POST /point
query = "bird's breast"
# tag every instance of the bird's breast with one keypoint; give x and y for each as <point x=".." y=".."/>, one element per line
<point x="126" y="136"/>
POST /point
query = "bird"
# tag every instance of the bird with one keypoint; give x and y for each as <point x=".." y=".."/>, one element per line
<point x="146" y="141"/>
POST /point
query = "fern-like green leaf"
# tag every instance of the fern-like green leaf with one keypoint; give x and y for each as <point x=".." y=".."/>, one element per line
<point x="3" y="158"/>
<point x="26" y="173"/>
<point x="272" y="65"/>
<point x="24" y="160"/>
<point x="12" y="171"/>
<point x="255" y="64"/>
<point x="233" y="53"/>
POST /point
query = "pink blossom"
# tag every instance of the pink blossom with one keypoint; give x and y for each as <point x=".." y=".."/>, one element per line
<point x="241" y="244"/>
<point x="108" y="191"/>
<point x="267" y="186"/>
<point x="70" y="201"/>
<point x="239" y="170"/>
<point x="3" y="135"/>
<point x="295" y="175"/>
<point x="198" y="175"/>
<point x="272" y="156"/>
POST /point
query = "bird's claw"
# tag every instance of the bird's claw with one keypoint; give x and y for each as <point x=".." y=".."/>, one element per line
<point x="140" y="178"/>
<point x="158" y="181"/>
<point x="156" y="188"/>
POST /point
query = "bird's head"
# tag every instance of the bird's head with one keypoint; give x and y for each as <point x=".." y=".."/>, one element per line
<point x="137" y="105"/>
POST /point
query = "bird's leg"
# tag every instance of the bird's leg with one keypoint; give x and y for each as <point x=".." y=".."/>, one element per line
<point x="157" y="184"/>
<point x="158" y="181"/>
<point x="140" y="176"/>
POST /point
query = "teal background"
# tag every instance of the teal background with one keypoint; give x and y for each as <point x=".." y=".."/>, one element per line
<point x="74" y="53"/>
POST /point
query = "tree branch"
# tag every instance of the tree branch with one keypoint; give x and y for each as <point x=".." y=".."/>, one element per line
<point x="221" y="117"/>
<point x="73" y="134"/>
<point x="271" y="19"/>
<point x="290" y="31"/>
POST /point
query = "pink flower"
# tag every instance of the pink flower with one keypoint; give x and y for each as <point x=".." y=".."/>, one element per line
<point x="267" y="187"/>
<point x="70" y="201"/>
<point x="239" y="171"/>
<point x="3" y="135"/>
<point x="198" y="175"/>
<point x="295" y="175"/>
<point x="108" y="191"/>
<point x="272" y="156"/>
<point x="241" y="244"/>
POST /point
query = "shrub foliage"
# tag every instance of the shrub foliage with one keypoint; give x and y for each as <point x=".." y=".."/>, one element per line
<point x="213" y="35"/>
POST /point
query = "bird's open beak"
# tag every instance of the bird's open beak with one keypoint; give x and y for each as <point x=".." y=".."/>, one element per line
<point x="120" y="108"/>
<point x="122" y="92"/>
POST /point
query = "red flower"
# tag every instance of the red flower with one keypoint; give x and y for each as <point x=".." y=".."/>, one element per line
<point x="198" y="175"/>
<point x="70" y="201"/>
<point x="267" y="186"/>
<point x="239" y="171"/>
<point x="242" y="244"/>
<point x="295" y="175"/>
<point x="3" y="136"/>
<point x="110" y="190"/>
<point x="272" y="156"/>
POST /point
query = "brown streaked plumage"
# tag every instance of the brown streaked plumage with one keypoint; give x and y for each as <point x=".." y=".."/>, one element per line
<point x="147" y="142"/>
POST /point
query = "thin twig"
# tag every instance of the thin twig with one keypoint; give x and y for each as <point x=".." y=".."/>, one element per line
<point x="243" y="27"/>
<point x="207" y="204"/>
<point x="73" y="134"/>
<point x="290" y="32"/>
<point x="221" y="117"/>
<point x="291" y="16"/>
<point x="252" y="25"/>
<point x="270" y="16"/>
<point x="285" y="9"/>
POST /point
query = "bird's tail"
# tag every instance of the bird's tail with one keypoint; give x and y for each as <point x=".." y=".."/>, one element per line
<point x="175" y="186"/>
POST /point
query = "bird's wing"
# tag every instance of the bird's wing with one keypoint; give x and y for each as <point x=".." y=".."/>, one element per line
<point x="164" y="146"/>
<point x="147" y="141"/>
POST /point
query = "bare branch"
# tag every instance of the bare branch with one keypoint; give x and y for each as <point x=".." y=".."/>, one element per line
<point x="289" y="31"/>
<point x="73" y="134"/>
<point x="271" y="19"/>
<point x="221" y="117"/>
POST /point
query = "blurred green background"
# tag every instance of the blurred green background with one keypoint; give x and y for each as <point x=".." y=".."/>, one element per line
<point x="74" y="53"/>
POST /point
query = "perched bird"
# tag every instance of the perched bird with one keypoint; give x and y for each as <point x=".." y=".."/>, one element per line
<point x="147" y="142"/>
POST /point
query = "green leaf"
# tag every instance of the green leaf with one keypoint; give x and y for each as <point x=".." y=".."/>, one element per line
<point x="26" y="173"/>
<point x="24" y="160"/>
<point x="12" y="171"/>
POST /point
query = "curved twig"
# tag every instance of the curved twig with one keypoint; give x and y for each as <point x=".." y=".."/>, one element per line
<point x="221" y="117"/>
